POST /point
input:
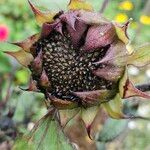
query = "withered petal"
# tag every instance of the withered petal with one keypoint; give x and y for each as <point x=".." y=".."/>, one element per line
<point x="27" y="43"/>
<point x="44" y="81"/>
<point x="99" y="36"/>
<point x="47" y="28"/>
<point x="41" y="17"/>
<point x="93" y="97"/>
<point x="91" y="18"/>
<point x="109" y="72"/>
<point x="22" y="57"/>
<point x="130" y="90"/>
<point x="37" y="63"/>
<point x="69" y="18"/>
<point x="77" y="34"/>
<point x="117" y="55"/>
<point x="62" y="104"/>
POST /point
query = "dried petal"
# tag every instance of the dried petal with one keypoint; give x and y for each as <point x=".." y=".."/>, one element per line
<point x="79" y="4"/>
<point x="116" y="55"/>
<point x="44" y="81"/>
<point x="69" y="18"/>
<point x="62" y="104"/>
<point x="22" y="57"/>
<point x="41" y="17"/>
<point x="47" y="28"/>
<point x="141" y="56"/>
<point x="37" y="63"/>
<point x="127" y="89"/>
<point x="77" y="34"/>
<point x="91" y="18"/>
<point x="93" y="97"/>
<point x="130" y="90"/>
<point x="109" y="72"/>
<point x="26" y="44"/>
<point x="99" y="36"/>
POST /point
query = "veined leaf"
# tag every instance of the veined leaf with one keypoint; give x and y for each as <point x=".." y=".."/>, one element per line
<point x="112" y="128"/>
<point x="46" y="135"/>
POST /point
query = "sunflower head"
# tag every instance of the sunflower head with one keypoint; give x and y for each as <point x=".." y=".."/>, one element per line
<point x="80" y="59"/>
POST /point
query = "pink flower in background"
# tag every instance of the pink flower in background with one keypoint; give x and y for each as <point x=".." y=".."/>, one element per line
<point x="4" y="32"/>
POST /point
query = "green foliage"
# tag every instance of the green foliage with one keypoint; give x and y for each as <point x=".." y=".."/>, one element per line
<point x="111" y="130"/>
<point x="46" y="135"/>
<point x="29" y="107"/>
<point x="4" y="63"/>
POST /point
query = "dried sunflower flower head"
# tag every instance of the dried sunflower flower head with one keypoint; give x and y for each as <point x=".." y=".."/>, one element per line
<point x="79" y="60"/>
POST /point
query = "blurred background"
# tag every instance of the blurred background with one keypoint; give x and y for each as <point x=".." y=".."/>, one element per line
<point x="19" y="109"/>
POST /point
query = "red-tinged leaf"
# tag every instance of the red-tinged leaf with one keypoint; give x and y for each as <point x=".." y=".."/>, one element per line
<point x="130" y="90"/>
<point x="46" y="134"/>
<point x="22" y="57"/>
<point x="26" y="44"/>
<point x="117" y="55"/>
<point x="141" y="56"/>
<point x="109" y="72"/>
<point x="99" y="36"/>
<point x="41" y="17"/>
<point x="114" y="107"/>
<point x="79" y="4"/>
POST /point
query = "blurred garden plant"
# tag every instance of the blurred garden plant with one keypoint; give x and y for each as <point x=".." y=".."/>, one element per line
<point x="79" y="61"/>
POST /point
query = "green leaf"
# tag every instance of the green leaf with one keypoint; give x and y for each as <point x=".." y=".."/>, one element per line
<point x="114" y="107"/>
<point x="4" y="64"/>
<point x="4" y="46"/>
<point x="22" y="76"/>
<point x="46" y="135"/>
<point x="141" y="56"/>
<point x="112" y="128"/>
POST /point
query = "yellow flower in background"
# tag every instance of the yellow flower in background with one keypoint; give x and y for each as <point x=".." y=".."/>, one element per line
<point x="144" y="19"/>
<point x="121" y="17"/>
<point x="126" y="5"/>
